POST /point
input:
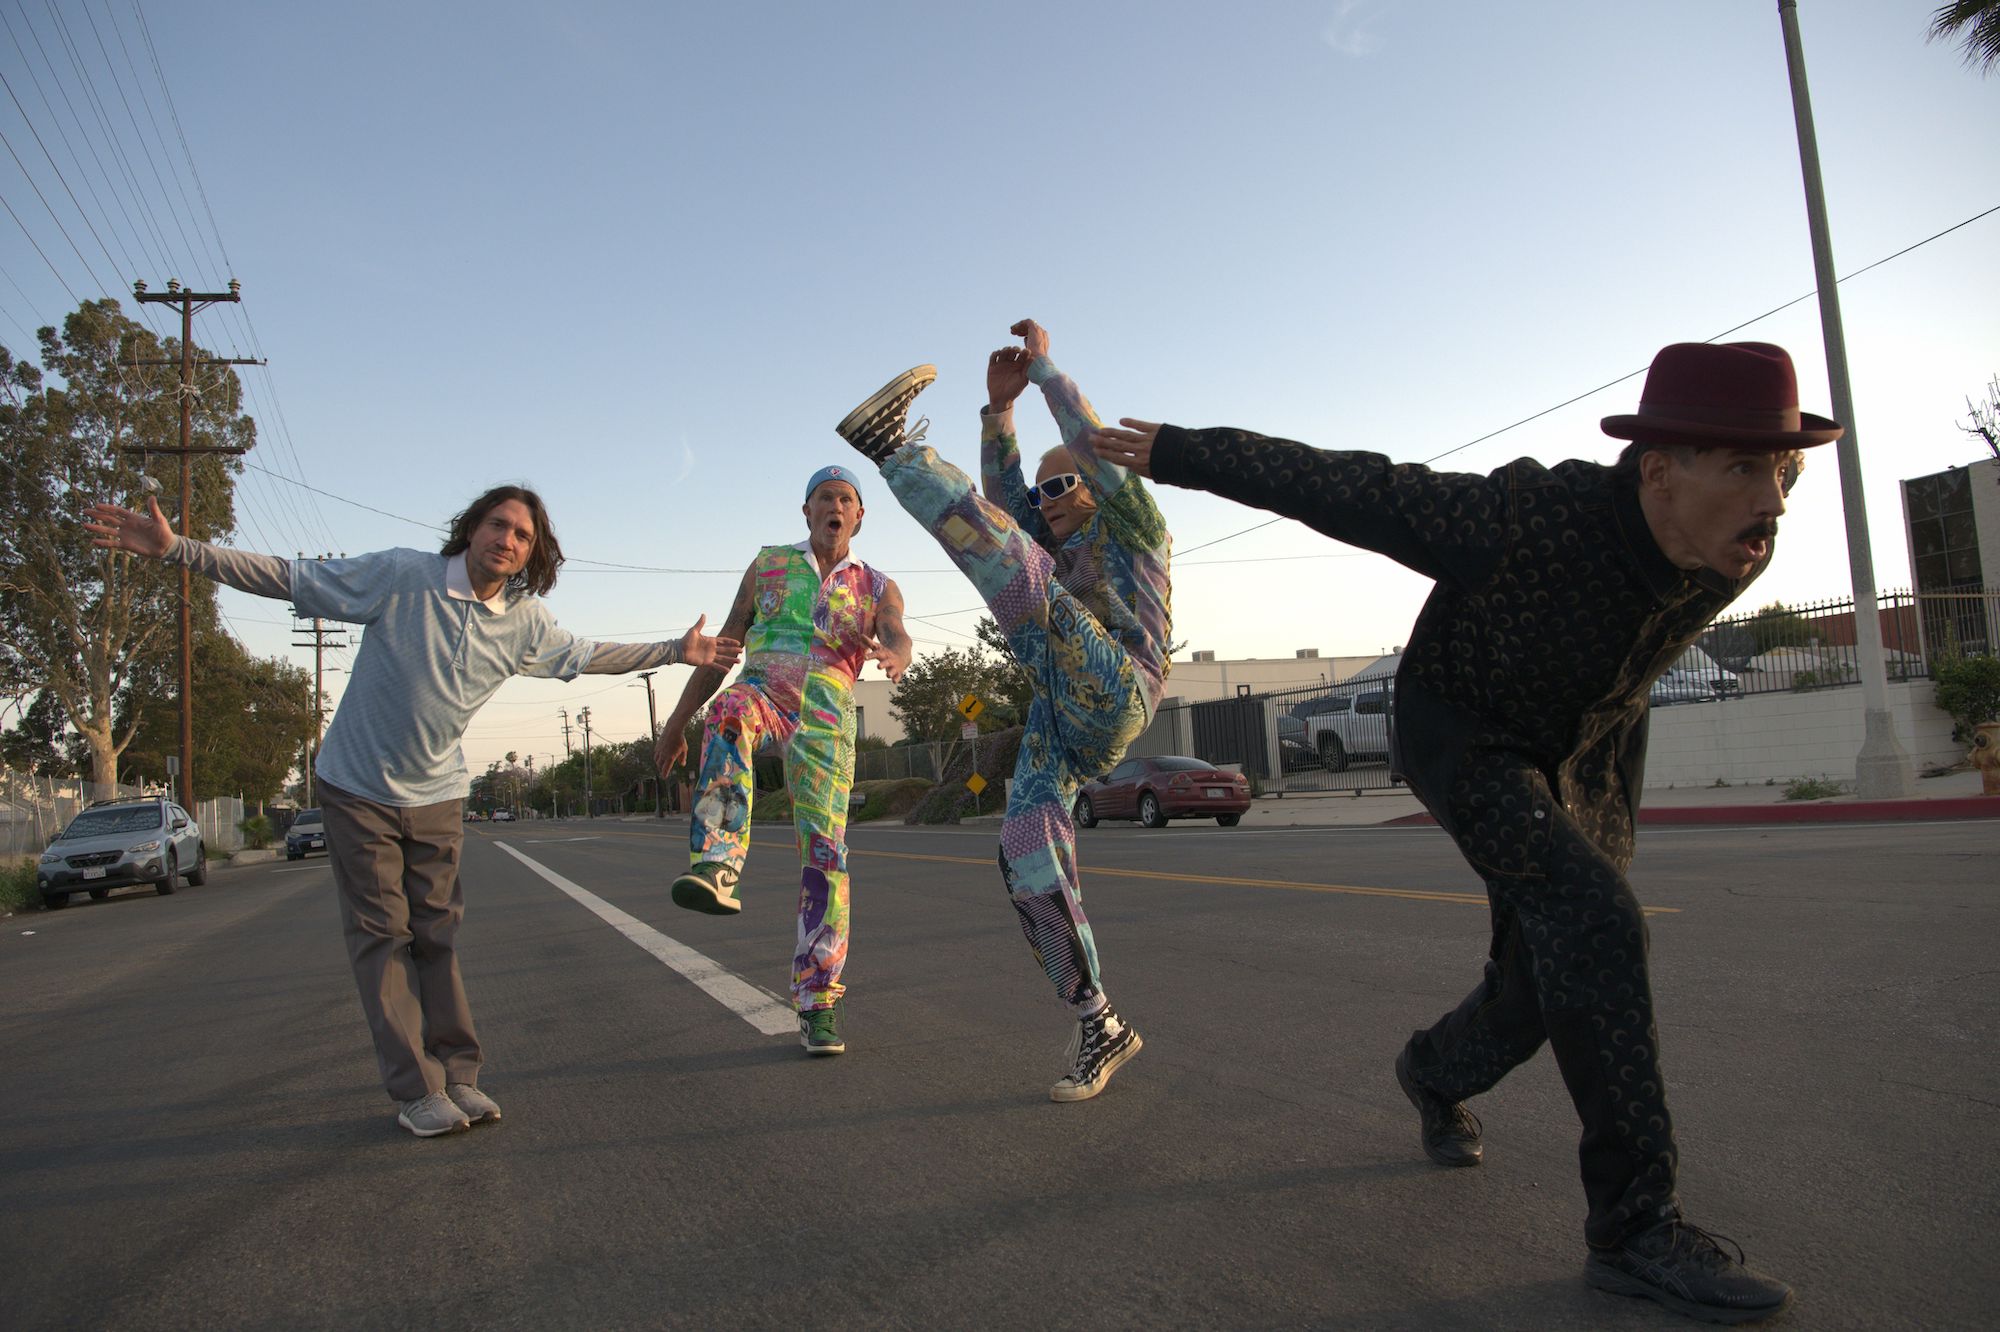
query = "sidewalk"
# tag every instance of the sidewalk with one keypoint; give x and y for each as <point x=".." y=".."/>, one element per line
<point x="1955" y="796"/>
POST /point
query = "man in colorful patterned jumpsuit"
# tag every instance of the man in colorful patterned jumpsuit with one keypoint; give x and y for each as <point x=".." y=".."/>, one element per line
<point x="810" y="617"/>
<point x="1562" y="593"/>
<point x="1075" y="572"/>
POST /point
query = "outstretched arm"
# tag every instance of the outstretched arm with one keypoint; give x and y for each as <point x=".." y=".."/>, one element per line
<point x="151" y="535"/>
<point x="1075" y="418"/>
<point x="701" y="686"/>
<point x="1444" y="525"/>
<point x="694" y="648"/>
<point x="891" y="646"/>
<point x="999" y="452"/>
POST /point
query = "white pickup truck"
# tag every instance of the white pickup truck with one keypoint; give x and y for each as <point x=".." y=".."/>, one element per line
<point x="1349" y="725"/>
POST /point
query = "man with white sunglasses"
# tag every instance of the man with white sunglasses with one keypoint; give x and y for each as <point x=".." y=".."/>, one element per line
<point x="1075" y="572"/>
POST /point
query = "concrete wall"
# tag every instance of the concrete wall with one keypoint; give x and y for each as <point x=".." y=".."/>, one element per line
<point x="1781" y="736"/>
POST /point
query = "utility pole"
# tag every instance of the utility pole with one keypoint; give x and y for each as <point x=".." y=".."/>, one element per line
<point x="189" y="302"/>
<point x="583" y="720"/>
<point x="1882" y="768"/>
<point x="564" y="714"/>
<point x="319" y="634"/>
<point x="653" y="729"/>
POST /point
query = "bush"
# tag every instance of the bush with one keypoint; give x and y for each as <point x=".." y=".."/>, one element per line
<point x="1968" y="690"/>
<point x="257" y="832"/>
<point x="1812" y="788"/>
<point x="17" y="885"/>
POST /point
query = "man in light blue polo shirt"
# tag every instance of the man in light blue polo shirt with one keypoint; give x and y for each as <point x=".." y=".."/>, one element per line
<point x="443" y="633"/>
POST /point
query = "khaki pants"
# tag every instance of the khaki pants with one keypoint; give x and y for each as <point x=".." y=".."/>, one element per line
<point x="396" y="871"/>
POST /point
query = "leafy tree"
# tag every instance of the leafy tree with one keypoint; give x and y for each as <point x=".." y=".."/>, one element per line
<point x="1968" y="691"/>
<point x="253" y="718"/>
<point x="76" y="621"/>
<point x="40" y="745"/>
<point x="1976" y="25"/>
<point x="1012" y="688"/>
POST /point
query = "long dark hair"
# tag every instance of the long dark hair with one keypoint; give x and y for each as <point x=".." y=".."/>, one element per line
<point x="538" y="575"/>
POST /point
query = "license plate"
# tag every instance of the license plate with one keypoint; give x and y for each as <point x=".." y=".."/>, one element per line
<point x="315" y="842"/>
<point x="97" y="873"/>
<point x="1217" y="793"/>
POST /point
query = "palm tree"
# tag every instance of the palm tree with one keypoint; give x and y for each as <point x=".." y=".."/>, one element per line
<point x="1978" y="21"/>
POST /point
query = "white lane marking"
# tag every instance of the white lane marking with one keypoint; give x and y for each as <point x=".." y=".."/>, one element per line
<point x="734" y="993"/>
<point x="300" y="869"/>
<point x="542" y="841"/>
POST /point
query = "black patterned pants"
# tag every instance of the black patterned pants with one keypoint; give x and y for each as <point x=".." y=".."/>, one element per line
<point x="1568" y="965"/>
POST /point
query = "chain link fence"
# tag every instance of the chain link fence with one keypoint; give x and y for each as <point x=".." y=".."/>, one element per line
<point x="34" y="809"/>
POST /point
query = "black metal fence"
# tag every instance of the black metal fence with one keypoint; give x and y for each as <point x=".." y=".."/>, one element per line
<point x="1337" y="738"/>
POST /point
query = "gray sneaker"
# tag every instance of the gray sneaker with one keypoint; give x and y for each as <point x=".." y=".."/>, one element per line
<point x="433" y="1115"/>
<point x="477" y="1105"/>
<point x="709" y="887"/>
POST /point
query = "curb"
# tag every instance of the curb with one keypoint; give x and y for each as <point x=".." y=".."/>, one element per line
<point x="1852" y="811"/>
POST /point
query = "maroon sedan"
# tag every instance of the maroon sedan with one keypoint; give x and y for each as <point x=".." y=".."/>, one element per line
<point x="1153" y="790"/>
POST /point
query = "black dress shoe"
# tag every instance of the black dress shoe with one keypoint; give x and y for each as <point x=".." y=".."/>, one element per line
<point x="1450" y="1131"/>
<point x="1686" y="1269"/>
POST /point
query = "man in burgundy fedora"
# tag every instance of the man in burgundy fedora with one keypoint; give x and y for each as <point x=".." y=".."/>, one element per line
<point x="1520" y="720"/>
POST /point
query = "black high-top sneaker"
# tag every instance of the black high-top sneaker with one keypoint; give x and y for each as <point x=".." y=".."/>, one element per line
<point x="1103" y="1041"/>
<point x="876" y="428"/>
<point x="1450" y="1131"/>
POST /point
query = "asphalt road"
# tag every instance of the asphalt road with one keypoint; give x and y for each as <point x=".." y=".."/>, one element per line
<point x="192" y="1133"/>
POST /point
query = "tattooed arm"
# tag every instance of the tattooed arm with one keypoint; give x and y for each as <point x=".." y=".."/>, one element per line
<point x="891" y="645"/>
<point x="701" y="686"/>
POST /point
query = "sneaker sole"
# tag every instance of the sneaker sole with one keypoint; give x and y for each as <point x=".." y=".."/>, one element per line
<point x="703" y="896"/>
<point x="1066" y="1095"/>
<point x="1611" y="1280"/>
<point x="812" y="1049"/>
<point x="460" y="1127"/>
<point x="910" y="382"/>
<point x="1437" y="1155"/>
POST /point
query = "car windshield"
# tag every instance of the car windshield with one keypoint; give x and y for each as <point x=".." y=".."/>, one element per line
<point x="308" y="818"/>
<point x="1180" y="765"/>
<point x="110" y="822"/>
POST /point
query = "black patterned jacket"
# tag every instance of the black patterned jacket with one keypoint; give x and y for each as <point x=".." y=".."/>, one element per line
<point x="1523" y="687"/>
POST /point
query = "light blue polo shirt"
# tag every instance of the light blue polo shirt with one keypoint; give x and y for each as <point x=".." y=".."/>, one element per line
<point x="428" y="662"/>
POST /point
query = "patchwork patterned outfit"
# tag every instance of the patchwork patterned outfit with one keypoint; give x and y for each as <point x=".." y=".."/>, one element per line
<point x="801" y="655"/>
<point x="1088" y="618"/>
<point x="1520" y="720"/>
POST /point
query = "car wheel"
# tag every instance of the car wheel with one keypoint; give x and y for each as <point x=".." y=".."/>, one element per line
<point x="99" y="894"/>
<point x="1229" y="820"/>
<point x="165" y="886"/>
<point x="55" y="901"/>
<point x="1332" y="754"/>
<point x="1085" y="816"/>
<point x="1149" y="811"/>
<point x="199" y="874"/>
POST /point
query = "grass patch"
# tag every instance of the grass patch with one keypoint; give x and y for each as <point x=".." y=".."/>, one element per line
<point x="1812" y="788"/>
<point x="17" y="885"/>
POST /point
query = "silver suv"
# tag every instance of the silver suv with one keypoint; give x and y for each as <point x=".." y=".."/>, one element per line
<point x="121" y="842"/>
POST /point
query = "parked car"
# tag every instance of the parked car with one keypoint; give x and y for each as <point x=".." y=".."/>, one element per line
<point x="1670" y="689"/>
<point x="1295" y="751"/>
<point x="503" y="816"/>
<point x="1154" y="790"/>
<point x="1709" y="682"/>
<point x="1343" y="727"/>
<point x="116" y="843"/>
<point x="307" y="834"/>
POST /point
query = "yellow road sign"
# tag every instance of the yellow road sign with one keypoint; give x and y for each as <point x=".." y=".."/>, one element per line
<point x="975" y="783"/>
<point x="970" y="707"/>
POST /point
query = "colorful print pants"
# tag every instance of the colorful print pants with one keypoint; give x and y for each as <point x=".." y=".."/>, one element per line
<point x="1089" y="705"/>
<point x="818" y="743"/>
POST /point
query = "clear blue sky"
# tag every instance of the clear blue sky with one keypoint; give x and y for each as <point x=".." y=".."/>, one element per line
<point x="644" y="256"/>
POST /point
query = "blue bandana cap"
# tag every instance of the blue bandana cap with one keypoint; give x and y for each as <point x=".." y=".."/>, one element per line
<point x="833" y="473"/>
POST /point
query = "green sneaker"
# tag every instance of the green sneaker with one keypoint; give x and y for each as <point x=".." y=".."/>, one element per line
<point x="819" y="1031"/>
<point x="708" y="887"/>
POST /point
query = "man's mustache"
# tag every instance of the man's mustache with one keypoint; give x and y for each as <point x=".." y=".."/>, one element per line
<point x="1761" y="531"/>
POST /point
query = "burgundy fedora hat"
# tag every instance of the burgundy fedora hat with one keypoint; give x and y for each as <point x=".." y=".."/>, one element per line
<point x="1736" y="393"/>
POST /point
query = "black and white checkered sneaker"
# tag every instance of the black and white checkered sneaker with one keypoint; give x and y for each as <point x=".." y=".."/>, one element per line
<point x="876" y="428"/>
<point x="1102" y="1043"/>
